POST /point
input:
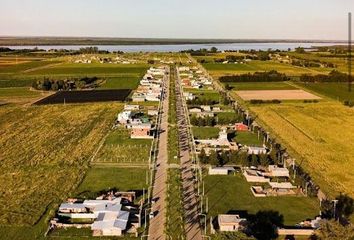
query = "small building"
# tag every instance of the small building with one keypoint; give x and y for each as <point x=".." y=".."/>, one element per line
<point x="153" y="112"/>
<point x="141" y="131"/>
<point x="241" y="127"/>
<point x="138" y="98"/>
<point x="275" y="171"/>
<point x="124" y="117"/>
<point x="110" y="223"/>
<point x="131" y="107"/>
<point x="206" y="108"/>
<point x="220" y="170"/>
<point x="195" y="110"/>
<point x="256" y="150"/>
<point x="231" y="222"/>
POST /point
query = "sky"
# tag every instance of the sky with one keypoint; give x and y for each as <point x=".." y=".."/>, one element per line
<point x="236" y="19"/>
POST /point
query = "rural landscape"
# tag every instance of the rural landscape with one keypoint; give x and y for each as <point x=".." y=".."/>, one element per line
<point x="181" y="137"/>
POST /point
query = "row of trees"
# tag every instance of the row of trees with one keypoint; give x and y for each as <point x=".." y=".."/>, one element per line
<point x="202" y="101"/>
<point x="221" y="119"/>
<point x="240" y="158"/>
<point x="271" y="76"/>
<point x="66" y="84"/>
<point x="333" y="76"/>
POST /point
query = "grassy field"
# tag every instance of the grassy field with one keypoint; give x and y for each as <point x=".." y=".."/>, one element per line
<point x="121" y="82"/>
<point x="45" y="152"/>
<point x="248" y="138"/>
<point x="204" y="94"/>
<point x="205" y="132"/>
<point x="92" y="69"/>
<point x="318" y="136"/>
<point x="217" y="69"/>
<point x="99" y="178"/>
<point x="120" y="148"/>
<point x="232" y="193"/>
<point x="261" y="86"/>
<point x="7" y="83"/>
<point x="337" y="91"/>
<point x="19" y="68"/>
<point x="19" y="92"/>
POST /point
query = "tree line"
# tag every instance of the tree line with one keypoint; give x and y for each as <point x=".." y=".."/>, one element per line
<point x="66" y="84"/>
<point x="333" y="76"/>
<point x="271" y="76"/>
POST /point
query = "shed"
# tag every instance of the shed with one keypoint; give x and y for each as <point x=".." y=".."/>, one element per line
<point x="220" y="170"/>
<point x="231" y="222"/>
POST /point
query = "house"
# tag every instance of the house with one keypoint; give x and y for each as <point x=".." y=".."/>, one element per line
<point x="124" y="117"/>
<point x="216" y="109"/>
<point x="137" y="97"/>
<point x="206" y="108"/>
<point x="275" y="171"/>
<point x="188" y="96"/>
<point x="141" y="131"/>
<point x="186" y="82"/>
<point x="195" y="110"/>
<point x="131" y="107"/>
<point x="112" y="223"/>
<point x="205" y="114"/>
<point x="241" y="127"/>
<point x="72" y="208"/>
<point x="256" y="150"/>
<point x="231" y="222"/>
<point x="282" y="188"/>
<point x="255" y="176"/>
<point x="153" y="112"/>
<point x="220" y="170"/>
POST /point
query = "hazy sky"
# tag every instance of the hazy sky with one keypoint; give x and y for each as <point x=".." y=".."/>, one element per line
<point x="267" y="19"/>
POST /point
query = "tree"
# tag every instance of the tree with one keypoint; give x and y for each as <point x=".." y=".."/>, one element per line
<point x="203" y="157"/>
<point x="264" y="161"/>
<point x="300" y="50"/>
<point x="327" y="209"/>
<point x="254" y="160"/>
<point x="344" y="206"/>
<point x="335" y="231"/>
<point x="264" y="224"/>
<point x="213" y="49"/>
<point x="214" y="158"/>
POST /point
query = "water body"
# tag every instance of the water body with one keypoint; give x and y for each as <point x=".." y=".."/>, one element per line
<point x="181" y="47"/>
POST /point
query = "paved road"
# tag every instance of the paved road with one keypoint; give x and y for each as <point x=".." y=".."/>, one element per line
<point x="192" y="225"/>
<point x="157" y="224"/>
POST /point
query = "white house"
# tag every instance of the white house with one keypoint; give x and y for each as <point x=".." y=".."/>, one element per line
<point x="220" y="170"/>
<point x="231" y="222"/>
<point x="124" y="116"/>
<point x="275" y="171"/>
<point x="256" y="150"/>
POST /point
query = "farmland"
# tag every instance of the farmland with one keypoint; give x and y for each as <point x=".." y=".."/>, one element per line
<point x="229" y="194"/>
<point x="276" y="94"/>
<point x="45" y="153"/>
<point x="317" y="135"/>
<point x="85" y="96"/>
<point x="336" y="91"/>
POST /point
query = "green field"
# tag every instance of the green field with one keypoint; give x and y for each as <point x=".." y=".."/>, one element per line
<point x="121" y="83"/>
<point x="19" y="92"/>
<point x="337" y="91"/>
<point x="205" y="132"/>
<point x="248" y="138"/>
<point x="204" y="94"/>
<point x="232" y="193"/>
<point x="217" y="69"/>
<point x="99" y="178"/>
<point x="92" y="69"/>
<point x="7" y="83"/>
<point x="260" y="86"/>
<point x="19" y="68"/>
<point x="120" y="148"/>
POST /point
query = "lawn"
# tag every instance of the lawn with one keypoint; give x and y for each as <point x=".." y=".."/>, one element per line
<point x="248" y="138"/>
<point x="205" y="94"/>
<point x="337" y="91"/>
<point x="7" y="83"/>
<point x="261" y="86"/>
<point x="205" y="132"/>
<point x="120" y="148"/>
<point x="44" y="154"/>
<point x="99" y="178"/>
<point x="232" y="193"/>
<point x="318" y="136"/>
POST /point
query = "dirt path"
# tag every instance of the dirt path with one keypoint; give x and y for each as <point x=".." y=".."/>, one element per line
<point x="192" y="224"/>
<point x="157" y="224"/>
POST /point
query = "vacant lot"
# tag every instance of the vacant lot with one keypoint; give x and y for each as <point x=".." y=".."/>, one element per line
<point x="100" y="178"/>
<point x="228" y="194"/>
<point x="261" y="86"/>
<point x="122" y="82"/>
<point x="337" y="91"/>
<point x="44" y="154"/>
<point x="248" y="138"/>
<point x="276" y="94"/>
<point x="205" y="132"/>
<point x="319" y="136"/>
<point x="85" y="96"/>
<point x="120" y="148"/>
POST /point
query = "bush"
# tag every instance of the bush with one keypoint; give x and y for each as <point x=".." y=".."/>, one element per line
<point x="348" y="103"/>
<point x="258" y="101"/>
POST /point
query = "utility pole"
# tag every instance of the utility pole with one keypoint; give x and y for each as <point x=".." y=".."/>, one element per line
<point x="350" y="52"/>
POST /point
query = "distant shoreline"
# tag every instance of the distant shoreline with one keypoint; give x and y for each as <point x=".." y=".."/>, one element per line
<point x="89" y="41"/>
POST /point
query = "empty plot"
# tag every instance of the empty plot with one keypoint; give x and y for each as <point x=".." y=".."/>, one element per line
<point x="276" y="94"/>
